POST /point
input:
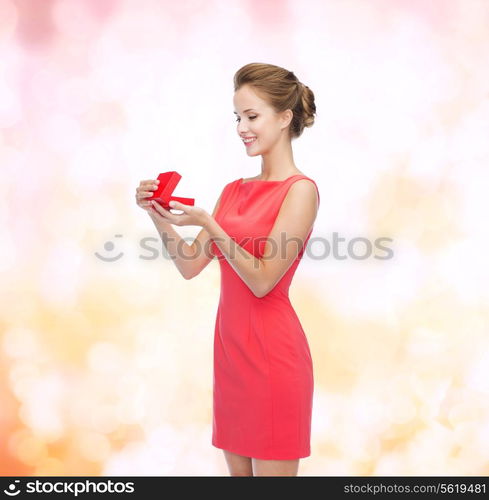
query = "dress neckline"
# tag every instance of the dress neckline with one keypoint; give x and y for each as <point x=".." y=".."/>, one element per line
<point x="260" y="180"/>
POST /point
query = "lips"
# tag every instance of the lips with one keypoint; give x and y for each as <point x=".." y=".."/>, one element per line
<point x="249" y="143"/>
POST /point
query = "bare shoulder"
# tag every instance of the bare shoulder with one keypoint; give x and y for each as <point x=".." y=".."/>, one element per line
<point x="307" y="183"/>
<point x="303" y="190"/>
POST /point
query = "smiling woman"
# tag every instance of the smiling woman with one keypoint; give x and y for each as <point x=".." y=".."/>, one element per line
<point x="263" y="376"/>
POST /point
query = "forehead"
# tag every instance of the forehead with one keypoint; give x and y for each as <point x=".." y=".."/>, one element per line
<point x="246" y="98"/>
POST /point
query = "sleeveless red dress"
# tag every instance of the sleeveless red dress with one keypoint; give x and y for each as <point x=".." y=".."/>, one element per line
<point x="263" y="373"/>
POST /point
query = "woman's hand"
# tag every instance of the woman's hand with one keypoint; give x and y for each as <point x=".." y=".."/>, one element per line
<point x="192" y="216"/>
<point x="145" y="191"/>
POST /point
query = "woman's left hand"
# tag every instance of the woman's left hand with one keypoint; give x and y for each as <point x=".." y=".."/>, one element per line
<point x="192" y="216"/>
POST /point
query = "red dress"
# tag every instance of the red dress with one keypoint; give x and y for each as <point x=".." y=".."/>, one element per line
<point x="263" y="374"/>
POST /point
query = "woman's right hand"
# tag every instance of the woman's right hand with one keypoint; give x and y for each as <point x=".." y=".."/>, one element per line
<point x="145" y="191"/>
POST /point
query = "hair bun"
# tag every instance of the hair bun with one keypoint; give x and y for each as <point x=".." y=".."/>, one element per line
<point x="308" y="105"/>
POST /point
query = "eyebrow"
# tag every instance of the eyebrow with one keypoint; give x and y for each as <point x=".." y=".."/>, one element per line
<point x="243" y="111"/>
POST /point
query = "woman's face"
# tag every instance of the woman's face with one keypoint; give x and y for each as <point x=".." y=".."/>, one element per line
<point x="258" y="120"/>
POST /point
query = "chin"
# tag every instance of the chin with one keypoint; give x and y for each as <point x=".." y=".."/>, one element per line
<point x="253" y="153"/>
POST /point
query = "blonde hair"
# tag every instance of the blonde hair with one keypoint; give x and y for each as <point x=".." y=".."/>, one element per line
<point x="282" y="90"/>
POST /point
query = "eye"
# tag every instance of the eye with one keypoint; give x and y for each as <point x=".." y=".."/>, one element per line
<point x="250" y="117"/>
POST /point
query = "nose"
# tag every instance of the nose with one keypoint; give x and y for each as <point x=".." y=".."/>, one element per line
<point x="242" y="129"/>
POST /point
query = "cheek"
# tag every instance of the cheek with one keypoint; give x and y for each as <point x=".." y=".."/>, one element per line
<point x="259" y="129"/>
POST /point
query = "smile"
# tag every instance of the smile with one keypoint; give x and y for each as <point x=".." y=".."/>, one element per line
<point x="247" y="142"/>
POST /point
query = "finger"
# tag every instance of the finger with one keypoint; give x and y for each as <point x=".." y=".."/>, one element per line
<point x="178" y="206"/>
<point x="152" y="210"/>
<point x="146" y="187"/>
<point x="164" y="214"/>
<point x="159" y="208"/>
<point x="153" y="184"/>
<point x="141" y="200"/>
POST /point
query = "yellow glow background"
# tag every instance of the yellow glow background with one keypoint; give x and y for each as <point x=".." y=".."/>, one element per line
<point x="106" y="367"/>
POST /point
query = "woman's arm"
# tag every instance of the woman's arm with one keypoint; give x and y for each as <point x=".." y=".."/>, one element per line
<point x="189" y="259"/>
<point x="293" y="224"/>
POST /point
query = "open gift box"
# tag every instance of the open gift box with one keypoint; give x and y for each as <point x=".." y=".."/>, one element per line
<point x="168" y="182"/>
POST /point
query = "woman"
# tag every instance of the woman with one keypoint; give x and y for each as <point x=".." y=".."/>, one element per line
<point x="263" y="376"/>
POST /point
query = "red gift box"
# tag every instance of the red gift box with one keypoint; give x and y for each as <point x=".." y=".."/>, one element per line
<point x="168" y="182"/>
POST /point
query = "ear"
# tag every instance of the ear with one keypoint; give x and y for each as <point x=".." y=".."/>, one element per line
<point x="286" y="118"/>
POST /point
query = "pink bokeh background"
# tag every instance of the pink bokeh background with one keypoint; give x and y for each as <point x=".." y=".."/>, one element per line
<point x="106" y="367"/>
